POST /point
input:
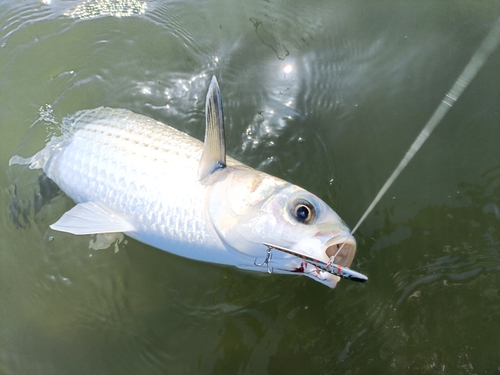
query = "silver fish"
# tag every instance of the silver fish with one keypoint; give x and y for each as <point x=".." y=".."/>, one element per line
<point x="129" y="173"/>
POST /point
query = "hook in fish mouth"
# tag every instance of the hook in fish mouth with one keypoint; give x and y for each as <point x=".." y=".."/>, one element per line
<point x="330" y="267"/>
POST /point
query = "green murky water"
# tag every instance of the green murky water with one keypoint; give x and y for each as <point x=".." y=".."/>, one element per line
<point x="328" y="95"/>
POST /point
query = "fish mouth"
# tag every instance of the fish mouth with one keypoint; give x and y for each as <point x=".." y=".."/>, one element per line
<point x="337" y="252"/>
<point x="342" y="249"/>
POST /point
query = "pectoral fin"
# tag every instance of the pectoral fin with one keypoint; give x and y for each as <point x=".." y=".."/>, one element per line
<point x="90" y="218"/>
<point x="214" y="150"/>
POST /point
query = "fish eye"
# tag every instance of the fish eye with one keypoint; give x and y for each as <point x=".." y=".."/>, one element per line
<point x="303" y="211"/>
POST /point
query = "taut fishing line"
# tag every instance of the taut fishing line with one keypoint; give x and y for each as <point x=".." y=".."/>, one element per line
<point x="475" y="64"/>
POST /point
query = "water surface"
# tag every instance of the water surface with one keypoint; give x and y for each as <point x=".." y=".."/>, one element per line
<point x="328" y="96"/>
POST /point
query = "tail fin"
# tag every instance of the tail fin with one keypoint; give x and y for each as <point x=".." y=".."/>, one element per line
<point x="38" y="160"/>
<point x="16" y="159"/>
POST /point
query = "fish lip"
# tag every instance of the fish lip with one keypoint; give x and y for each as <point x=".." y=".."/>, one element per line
<point x="342" y="247"/>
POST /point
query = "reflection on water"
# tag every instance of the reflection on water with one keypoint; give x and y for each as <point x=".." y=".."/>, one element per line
<point x="329" y="97"/>
<point x="98" y="8"/>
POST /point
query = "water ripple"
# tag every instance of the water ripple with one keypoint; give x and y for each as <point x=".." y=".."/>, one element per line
<point x="19" y="15"/>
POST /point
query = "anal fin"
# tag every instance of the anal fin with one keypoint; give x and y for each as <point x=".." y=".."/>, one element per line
<point x="90" y="218"/>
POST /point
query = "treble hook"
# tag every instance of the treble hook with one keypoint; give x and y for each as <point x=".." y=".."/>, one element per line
<point x="266" y="261"/>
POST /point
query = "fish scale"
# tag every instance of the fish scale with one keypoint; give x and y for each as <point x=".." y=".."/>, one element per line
<point x="103" y="149"/>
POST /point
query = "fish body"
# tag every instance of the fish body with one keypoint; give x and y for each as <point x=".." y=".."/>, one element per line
<point x="140" y="170"/>
<point x="129" y="173"/>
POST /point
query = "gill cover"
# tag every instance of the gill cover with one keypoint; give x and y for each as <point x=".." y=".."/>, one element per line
<point x="238" y="208"/>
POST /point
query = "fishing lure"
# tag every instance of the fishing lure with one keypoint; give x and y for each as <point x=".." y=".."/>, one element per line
<point x="330" y="267"/>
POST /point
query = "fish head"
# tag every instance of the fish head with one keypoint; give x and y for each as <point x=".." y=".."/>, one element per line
<point x="248" y="209"/>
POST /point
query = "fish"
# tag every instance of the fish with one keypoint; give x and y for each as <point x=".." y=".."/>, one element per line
<point x="128" y="173"/>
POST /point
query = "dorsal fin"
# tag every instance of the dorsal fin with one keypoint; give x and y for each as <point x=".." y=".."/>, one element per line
<point x="214" y="149"/>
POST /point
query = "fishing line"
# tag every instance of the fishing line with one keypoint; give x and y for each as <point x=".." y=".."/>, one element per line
<point x="475" y="64"/>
